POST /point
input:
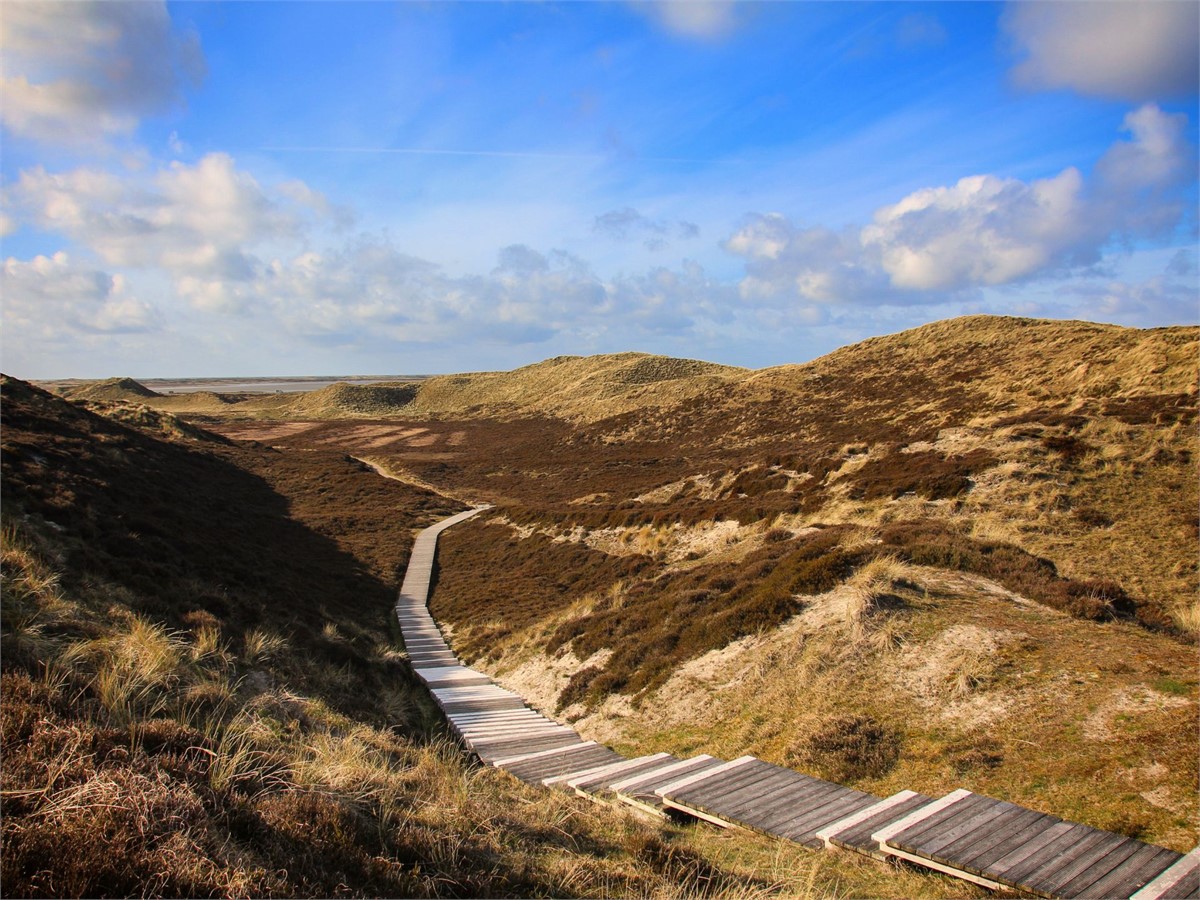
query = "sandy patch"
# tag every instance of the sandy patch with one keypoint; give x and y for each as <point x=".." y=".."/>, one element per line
<point x="955" y="664"/>
<point x="456" y="439"/>
<point x="701" y="486"/>
<point x="266" y="432"/>
<point x="981" y="710"/>
<point x="1130" y="701"/>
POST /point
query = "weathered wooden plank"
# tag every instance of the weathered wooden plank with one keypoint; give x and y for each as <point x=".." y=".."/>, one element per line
<point x="720" y="783"/>
<point x="803" y="829"/>
<point x="825" y="805"/>
<point x="499" y="738"/>
<point x="502" y="715"/>
<point x="535" y="771"/>
<point x="968" y="827"/>
<point x="800" y="798"/>
<point x="1091" y="850"/>
<point x="854" y="832"/>
<point x="605" y="769"/>
<point x="1128" y="852"/>
<point x="750" y="793"/>
<point x="885" y="838"/>
<point x="1038" y="835"/>
<point x="481" y="705"/>
<point x="490" y="752"/>
<point x="527" y="756"/>
<point x="1133" y="874"/>
<point x="667" y="773"/>
<point x="639" y="792"/>
<point x="483" y="729"/>
<point x="1018" y="873"/>
<point x="466" y="677"/>
<point x="490" y="738"/>
<point x="783" y="795"/>
<point x="694" y="778"/>
<point x="993" y="842"/>
<point x="602" y="782"/>
<point x="884" y="835"/>
<point x="914" y="839"/>
<point x="1175" y="880"/>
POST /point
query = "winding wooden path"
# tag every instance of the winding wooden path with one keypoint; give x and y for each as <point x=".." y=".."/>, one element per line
<point x="980" y="839"/>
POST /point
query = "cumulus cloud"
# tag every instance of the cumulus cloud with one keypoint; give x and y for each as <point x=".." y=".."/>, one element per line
<point x="78" y="71"/>
<point x="200" y="223"/>
<point x="982" y="231"/>
<point x="818" y="265"/>
<point x="47" y="295"/>
<point x="1131" y="50"/>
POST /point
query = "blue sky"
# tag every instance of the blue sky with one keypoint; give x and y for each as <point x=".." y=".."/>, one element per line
<point x="334" y="188"/>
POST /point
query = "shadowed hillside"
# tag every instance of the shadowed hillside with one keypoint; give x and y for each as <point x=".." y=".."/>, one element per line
<point x="202" y="696"/>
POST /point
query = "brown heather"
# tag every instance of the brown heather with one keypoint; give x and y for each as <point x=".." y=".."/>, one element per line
<point x="961" y="556"/>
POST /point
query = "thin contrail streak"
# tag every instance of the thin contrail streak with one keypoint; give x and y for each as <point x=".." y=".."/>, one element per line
<point x="508" y="154"/>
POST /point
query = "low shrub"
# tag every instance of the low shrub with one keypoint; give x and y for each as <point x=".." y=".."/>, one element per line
<point x="849" y="748"/>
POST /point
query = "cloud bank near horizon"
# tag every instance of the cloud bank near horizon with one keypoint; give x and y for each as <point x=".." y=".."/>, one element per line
<point x="143" y="250"/>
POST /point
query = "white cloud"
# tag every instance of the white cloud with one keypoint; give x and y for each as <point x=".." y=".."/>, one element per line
<point x="696" y="19"/>
<point x="78" y="71"/>
<point x="1137" y="181"/>
<point x="1131" y="50"/>
<point x="982" y="231"/>
<point x="49" y="295"/>
<point x="813" y="265"/>
<point x="201" y="223"/>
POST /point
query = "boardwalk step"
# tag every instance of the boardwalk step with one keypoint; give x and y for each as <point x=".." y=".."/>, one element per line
<point x="750" y="793"/>
<point x="995" y="843"/>
<point x="639" y="791"/>
<point x="854" y="832"/>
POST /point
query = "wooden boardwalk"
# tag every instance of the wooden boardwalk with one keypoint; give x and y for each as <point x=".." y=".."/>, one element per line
<point x="979" y="839"/>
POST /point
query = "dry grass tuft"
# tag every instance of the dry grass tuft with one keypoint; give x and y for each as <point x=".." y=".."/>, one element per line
<point x="872" y="590"/>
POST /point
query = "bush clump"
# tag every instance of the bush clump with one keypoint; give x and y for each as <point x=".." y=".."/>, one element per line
<point x="849" y="748"/>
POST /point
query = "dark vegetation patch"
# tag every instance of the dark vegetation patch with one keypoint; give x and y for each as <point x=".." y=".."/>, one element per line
<point x="932" y="543"/>
<point x="1153" y="409"/>
<point x="658" y="624"/>
<point x="931" y="474"/>
<point x="971" y="755"/>
<point x="849" y="748"/>
<point x="499" y="583"/>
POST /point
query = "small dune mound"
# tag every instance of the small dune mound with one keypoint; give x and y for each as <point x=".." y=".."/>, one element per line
<point x="354" y="400"/>
<point x="154" y="421"/>
<point x="575" y="388"/>
<point x="113" y="389"/>
<point x="652" y="369"/>
<point x="198" y="401"/>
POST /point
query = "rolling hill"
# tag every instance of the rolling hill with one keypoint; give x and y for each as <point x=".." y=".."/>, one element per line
<point x="960" y="556"/>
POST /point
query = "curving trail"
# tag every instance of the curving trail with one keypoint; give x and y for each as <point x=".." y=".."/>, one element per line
<point x="977" y="838"/>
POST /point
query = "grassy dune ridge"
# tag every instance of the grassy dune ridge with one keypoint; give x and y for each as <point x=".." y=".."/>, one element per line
<point x="1033" y="480"/>
<point x="964" y="555"/>
<point x="202" y="694"/>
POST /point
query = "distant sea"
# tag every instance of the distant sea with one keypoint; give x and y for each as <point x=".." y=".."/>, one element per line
<point x="263" y="385"/>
